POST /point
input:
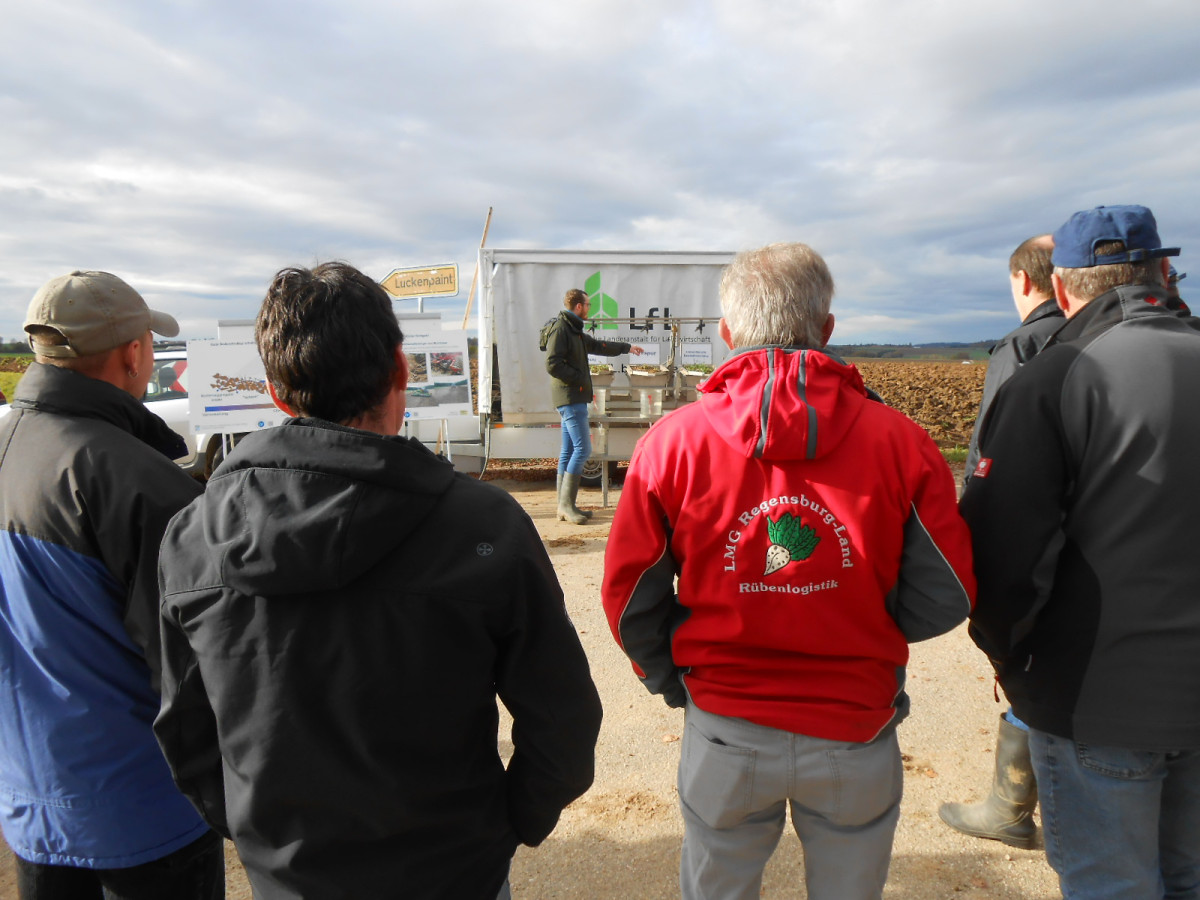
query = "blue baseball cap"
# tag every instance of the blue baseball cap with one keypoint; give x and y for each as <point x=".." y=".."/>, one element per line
<point x="1175" y="275"/>
<point x="1075" y="242"/>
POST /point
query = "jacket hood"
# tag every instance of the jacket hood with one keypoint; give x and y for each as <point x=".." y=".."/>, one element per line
<point x="311" y="506"/>
<point x="568" y="319"/>
<point x="781" y="403"/>
<point x="565" y="319"/>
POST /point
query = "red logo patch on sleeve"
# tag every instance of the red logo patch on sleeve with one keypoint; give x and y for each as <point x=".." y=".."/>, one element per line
<point x="982" y="468"/>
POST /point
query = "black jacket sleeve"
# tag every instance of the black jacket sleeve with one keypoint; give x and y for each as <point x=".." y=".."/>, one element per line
<point x="187" y="729"/>
<point x="1014" y="508"/>
<point x="544" y="680"/>
<point x="597" y="347"/>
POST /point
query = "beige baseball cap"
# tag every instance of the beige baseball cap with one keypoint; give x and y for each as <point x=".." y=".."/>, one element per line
<point x="94" y="311"/>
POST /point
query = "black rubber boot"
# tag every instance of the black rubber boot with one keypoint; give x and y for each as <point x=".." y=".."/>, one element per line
<point x="1007" y="813"/>
<point x="568" y="490"/>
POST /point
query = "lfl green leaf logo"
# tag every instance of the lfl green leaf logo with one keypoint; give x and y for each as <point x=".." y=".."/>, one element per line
<point x="600" y="305"/>
<point x="791" y="541"/>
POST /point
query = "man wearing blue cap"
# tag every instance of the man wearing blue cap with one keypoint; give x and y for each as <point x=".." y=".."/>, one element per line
<point x="1080" y="507"/>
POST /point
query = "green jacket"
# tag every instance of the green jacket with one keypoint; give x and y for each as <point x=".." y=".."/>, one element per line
<point x="567" y="348"/>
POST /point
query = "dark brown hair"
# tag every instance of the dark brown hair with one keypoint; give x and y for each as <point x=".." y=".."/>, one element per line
<point x="1033" y="258"/>
<point x="328" y="339"/>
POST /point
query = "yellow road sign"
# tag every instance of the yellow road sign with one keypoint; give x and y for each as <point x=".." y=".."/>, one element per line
<point x="423" y="281"/>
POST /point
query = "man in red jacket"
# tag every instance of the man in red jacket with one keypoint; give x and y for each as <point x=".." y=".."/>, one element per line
<point x="777" y="546"/>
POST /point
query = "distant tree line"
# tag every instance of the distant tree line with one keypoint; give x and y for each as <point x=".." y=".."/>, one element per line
<point x="976" y="350"/>
<point x="14" y="346"/>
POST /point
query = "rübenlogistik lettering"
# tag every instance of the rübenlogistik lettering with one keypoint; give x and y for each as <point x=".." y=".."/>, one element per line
<point x="750" y="587"/>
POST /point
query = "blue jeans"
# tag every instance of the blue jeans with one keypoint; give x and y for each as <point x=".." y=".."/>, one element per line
<point x="1119" y="823"/>
<point x="576" y="438"/>
<point x="194" y="872"/>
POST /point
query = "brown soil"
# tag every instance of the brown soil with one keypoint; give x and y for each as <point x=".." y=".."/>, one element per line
<point x="942" y="396"/>
<point x="15" y="363"/>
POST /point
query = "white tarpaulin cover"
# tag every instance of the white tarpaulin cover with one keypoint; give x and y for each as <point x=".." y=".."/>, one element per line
<point x="522" y="289"/>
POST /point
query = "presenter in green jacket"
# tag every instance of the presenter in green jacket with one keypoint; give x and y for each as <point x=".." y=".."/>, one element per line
<point x="567" y="348"/>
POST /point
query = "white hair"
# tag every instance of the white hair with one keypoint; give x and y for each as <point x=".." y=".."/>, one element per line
<point x="779" y="294"/>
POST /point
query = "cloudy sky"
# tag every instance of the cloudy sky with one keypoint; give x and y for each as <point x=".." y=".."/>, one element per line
<point x="196" y="146"/>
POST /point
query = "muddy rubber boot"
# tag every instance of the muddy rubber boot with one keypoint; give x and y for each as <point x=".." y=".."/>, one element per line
<point x="567" y="492"/>
<point x="587" y="513"/>
<point x="1007" y="813"/>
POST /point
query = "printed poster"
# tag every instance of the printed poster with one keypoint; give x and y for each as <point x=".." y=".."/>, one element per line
<point x="228" y="388"/>
<point x="439" y="373"/>
<point x="698" y="353"/>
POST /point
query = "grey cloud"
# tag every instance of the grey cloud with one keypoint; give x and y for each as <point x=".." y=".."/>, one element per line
<point x="201" y="146"/>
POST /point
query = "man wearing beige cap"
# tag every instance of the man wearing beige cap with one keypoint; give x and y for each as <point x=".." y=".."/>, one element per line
<point x="87" y="486"/>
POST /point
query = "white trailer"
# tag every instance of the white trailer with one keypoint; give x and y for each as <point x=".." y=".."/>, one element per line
<point x="666" y="302"/>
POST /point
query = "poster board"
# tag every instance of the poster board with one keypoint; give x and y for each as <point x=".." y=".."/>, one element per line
<point x="228" y="388"/>
<point x="697" y="352"/>
<point x="439" y="374"/>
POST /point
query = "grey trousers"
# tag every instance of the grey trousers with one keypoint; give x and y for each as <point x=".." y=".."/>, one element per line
<point x="735" y="780"/>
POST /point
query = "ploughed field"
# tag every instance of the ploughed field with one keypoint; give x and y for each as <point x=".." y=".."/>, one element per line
<point x="942" y="397"/>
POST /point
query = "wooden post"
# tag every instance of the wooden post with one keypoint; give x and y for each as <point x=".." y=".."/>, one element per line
<point x="475" y="278"/>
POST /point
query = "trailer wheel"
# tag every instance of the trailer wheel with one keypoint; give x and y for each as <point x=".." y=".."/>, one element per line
<point x="593" y="472"/>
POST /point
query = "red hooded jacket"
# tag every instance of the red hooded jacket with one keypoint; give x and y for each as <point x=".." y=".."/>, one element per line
<point x="779" y="543"/>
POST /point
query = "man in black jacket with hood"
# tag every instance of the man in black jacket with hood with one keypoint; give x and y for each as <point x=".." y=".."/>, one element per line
<point x="341" y="610"/>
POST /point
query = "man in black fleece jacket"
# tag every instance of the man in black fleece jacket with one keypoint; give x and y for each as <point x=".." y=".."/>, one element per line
<point x="340" y="611"/>
<point x="1082" y="511"/>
